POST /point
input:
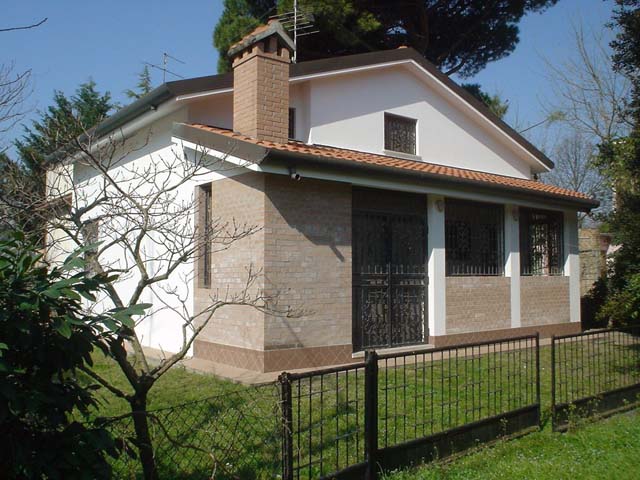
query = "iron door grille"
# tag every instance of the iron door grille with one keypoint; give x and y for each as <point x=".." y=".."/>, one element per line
<point x="389" y="279"/>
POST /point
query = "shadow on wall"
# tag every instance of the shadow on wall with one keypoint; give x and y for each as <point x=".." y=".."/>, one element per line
<point x="308" y="258"/>
<point x="591" y="303"/>
<point x="318" y="210"/>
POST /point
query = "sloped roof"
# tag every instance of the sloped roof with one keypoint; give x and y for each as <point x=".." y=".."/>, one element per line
<point x="224" y="81"/>
<point x="372" y="160"/>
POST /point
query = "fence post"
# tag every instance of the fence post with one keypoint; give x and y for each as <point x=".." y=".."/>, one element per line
<point x="371" y="413"/>
<point x="538" y="379"/>
<point x="553" y="382"/>
<point x="287" y="426"/>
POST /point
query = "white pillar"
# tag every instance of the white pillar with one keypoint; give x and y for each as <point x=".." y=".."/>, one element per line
<point x="572" y="262"/>
<point x="512" y="259"/>
<point x="436" y="266"/>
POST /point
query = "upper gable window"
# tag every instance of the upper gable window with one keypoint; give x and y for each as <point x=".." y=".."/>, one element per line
<point x="399" y="134"/>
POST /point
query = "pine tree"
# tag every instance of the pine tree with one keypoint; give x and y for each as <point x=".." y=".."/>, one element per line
<point x="143" y="86"/>
<point x="494" y="102"/>
<point x="457" y="35"/>
<point x="66" y="118"/>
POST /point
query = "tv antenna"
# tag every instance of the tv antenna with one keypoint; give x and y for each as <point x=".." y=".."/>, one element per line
<point x="299" y="22"/>
<point x="165" y="61"/>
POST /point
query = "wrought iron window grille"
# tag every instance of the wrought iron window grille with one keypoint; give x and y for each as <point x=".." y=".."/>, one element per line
<point x="474" y="238"/>
<point x="399" y="134"/>
<point x="541" y="242"/>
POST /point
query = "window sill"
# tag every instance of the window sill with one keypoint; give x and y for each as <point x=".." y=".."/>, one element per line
<point x="467" y="275"/>
<point x="543" y="275"/>
<point x="405" y="156"/>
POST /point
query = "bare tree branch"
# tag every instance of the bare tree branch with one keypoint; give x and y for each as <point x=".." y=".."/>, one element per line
<point x="25" y="27"/>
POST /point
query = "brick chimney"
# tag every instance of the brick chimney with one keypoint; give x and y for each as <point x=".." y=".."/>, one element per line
<point x="261" y="83"/>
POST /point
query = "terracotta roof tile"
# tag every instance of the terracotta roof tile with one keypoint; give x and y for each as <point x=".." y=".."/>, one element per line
<point x="402" y="164"/>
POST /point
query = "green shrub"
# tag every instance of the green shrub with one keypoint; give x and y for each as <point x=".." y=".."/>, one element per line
<point x="623" y="307"/>
<point x="45" y="335"/>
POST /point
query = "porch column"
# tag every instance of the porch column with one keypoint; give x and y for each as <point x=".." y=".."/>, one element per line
<point x="572" y="262"/>
<point x="512" y="259"/>
<point x="436" y="266"/>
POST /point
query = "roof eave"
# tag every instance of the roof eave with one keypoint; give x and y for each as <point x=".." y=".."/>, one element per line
<point x="584" y="205"/>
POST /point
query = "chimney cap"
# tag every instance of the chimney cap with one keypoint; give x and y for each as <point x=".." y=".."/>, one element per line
<point x="274" y="27"/>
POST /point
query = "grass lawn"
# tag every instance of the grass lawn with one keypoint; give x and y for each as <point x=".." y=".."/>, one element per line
<point x="201" y="423"/>
<point x="601" y="450"/>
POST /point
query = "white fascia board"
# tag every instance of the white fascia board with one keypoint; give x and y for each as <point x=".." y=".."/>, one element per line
<point x="226" y="157"/>
<point x="344" y="71"/>
<point x="206" y="93"/>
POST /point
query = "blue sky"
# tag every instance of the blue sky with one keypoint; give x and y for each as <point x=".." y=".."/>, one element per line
<point x="110" y="41"/>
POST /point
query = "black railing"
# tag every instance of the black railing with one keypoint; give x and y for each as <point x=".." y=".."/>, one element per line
<point x="323" y="425"/>
<point x="394" y="409"/>
<point x="594" y="372"/>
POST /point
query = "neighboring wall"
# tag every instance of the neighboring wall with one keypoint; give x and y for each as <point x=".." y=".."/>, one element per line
<point x="593" y="257"/>
<point x="476" y="304"/>
<point x="544" y="300"/>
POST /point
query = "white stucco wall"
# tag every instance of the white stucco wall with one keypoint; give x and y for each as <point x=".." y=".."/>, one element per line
<point x="347" y="111"/>
<point x="162" y="327"/>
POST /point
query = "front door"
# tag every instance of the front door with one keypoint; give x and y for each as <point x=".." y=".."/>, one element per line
<point x="389" y="278"/>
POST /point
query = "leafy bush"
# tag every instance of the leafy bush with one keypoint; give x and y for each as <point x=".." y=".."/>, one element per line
<point x="623" y="307"/>
<point x="45" y="335"/>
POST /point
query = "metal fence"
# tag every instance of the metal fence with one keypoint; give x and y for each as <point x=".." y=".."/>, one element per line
<point x="396" y="409"/>
<point x="594" y="372"/>
<point x="235" y="435"/>
<point x="387" y="411"/>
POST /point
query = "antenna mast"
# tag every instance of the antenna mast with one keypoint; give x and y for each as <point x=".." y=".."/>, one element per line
<point x="165" y="61"/>
<point x="299" y="22"/>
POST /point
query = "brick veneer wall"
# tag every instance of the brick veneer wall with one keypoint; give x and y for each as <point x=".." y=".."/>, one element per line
<point x="237" y="199"/>
<point x="476" y="304"/>
<point x="308" y="258"/>
<point x="304" y="251"/>
<point x="261" y="93"/>
<point x="544" y="300"/>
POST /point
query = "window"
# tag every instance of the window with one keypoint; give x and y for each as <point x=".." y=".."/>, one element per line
<point x="399" y="134"/>
<point x="474" y="238"/>
<point x="541" y="241"/>
<point x="292" y="123"/>
<point x="205" y="216"/>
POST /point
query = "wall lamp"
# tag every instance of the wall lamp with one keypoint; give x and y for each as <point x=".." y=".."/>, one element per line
<point x="294" y="175"/>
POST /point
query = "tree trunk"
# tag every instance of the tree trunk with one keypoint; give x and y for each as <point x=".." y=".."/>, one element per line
<point x="143" y="438"/>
